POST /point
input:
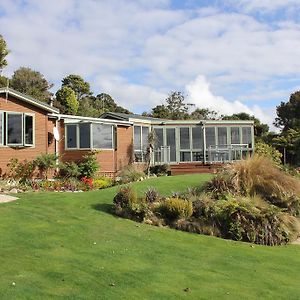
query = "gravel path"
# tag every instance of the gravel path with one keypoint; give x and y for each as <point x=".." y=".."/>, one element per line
<point x="6" y="198"/>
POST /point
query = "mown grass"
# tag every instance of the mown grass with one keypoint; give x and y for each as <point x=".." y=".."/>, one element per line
<point x="69" y="246"/>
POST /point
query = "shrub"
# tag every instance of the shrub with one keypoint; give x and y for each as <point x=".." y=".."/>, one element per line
<point x="160" y="169"/>
<point x="89" y="165"/>
<point x="125" y="197"/>
<point x="151" y="195"/>
<point x="258" y="176"/>
<point x="263" y="149"/>
<point x="176" y="208"/>
<point x="102" y="183"/>
<point x="46" y="162"/>
<point x="88" y="182"/>
<point x="69" y="170"/>
<point x="130" y="174"/>
<point x="22" y="171"/>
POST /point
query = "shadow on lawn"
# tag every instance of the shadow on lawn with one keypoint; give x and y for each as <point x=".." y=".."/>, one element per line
<point x="104" y="207"/>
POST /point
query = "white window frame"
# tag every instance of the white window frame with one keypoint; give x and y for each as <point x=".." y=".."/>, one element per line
<point x="141" y="144"/>
<point x="33" y="129"/>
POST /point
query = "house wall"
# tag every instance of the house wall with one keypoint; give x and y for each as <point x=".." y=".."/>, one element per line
<point x="42" y="126"/>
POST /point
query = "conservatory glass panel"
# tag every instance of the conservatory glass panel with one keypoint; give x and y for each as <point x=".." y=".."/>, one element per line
<point x="235" y="135"/>
<point x="247" y="136"/>
<point x="137" y="137"/>
<point x="210" y="136"/>
<point x="145" y="134"/>
<point x="171" y="142"/>
<point x="185" y="138"/>
<point x="222" y="136"/>
<point x="197" y="137"/>
<point x="159" y="137"/>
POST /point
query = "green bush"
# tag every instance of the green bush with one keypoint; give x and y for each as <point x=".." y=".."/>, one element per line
<point x="89" y="166"/>
<point x="46" y="162"/>
<point x="130" y="174"/>
<point x="102" y="183"/>
<point x="22" y="171"/>
<point x="69" y="170"/>
<point x="160" y="170"/>
<point x="176" y="208"/>
<point x="125" y="197"/>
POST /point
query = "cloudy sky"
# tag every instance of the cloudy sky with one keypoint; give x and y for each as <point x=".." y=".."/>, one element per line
<point x="239" y="56"/>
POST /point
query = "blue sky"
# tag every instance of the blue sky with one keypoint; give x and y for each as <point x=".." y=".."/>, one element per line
<point x="230" y="56"/>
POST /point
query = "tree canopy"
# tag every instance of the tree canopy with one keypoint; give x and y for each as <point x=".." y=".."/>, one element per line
<point x="3" y="53"/>
<point x="67" y="98"/>
<point x="31" y="83"/>
<point x="288" y="113"/>
<point x="78" y="85"/>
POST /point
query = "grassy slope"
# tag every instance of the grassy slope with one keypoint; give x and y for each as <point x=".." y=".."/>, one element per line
<point x="47" y="248"/>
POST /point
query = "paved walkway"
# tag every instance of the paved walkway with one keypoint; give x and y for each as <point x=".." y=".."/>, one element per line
<point x="6" y="198"/>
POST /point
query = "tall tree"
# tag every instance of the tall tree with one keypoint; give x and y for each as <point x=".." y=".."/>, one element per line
<point x="67" y="98"/>
<point x="160" y="111"/>
<point x="31" y="83"/>
<point x="176" y="106"/>
<point x="3" y="53"/>
<point x="78" y="85"/>
<point x="288" y="113"/>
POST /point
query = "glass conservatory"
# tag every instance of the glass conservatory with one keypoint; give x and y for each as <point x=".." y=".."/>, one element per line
<point x="195" y="143"/>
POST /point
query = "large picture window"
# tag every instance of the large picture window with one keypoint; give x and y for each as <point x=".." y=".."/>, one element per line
<point x="14" y="129"/>
<point x="247" y="136"/>
<point x="235" y="135"/>
<point x="84" y="136"/>
<point x="102" y="136"/>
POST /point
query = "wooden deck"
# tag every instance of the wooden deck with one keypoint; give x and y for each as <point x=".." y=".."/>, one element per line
<point x="194" y="168"/>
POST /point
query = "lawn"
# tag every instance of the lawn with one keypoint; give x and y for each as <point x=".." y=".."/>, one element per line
<point x="69" y="246"/>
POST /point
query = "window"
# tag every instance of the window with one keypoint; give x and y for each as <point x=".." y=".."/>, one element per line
<point x="85" y="136"/>
<point x="197" y="137"/>
<point x="140" y="142"/>
<point x="14" y="129"/>
<point x="184" y="138"/>
<point x="222" y="136"/>
<point x="28" y="130"/>
<point x="171" y="143"/>
<point x="1" y="127"/>
<point x="71" y="134"/>
<point x="102" y="136"/>
<point x="210" y="136"/>
<point x="247" y="136"/>
<point x="235" y="135"/>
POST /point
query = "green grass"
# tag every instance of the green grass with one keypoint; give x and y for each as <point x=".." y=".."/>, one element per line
<point x="69" y="246"/>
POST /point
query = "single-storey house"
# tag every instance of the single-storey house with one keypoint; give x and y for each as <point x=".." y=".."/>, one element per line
<point x="29" y="127"/>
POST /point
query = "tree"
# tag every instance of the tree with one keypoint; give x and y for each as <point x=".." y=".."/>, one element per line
<point x="176" y="106"/>
<point x="3" y="53"/>
<point x="3" y="81"/>
<point x="78" y="85"/>
<point x="269" y="151"/>
<point x="204" y="114"/>
<point x="288" y="114"/>
<point x="31" y="83"/>
<point x="260" y="129"/>
<point x="160" y="111"/>
<point x="67" y="98"/>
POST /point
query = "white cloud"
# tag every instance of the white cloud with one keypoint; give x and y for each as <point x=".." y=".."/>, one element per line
<point x="199" y="92"/>
<point x="270" y="5"/>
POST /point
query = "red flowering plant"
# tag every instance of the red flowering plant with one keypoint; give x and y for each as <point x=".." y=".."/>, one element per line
<point x="88" y="182"/>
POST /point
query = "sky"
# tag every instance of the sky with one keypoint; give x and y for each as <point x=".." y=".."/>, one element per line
<point x="230" y="56"/>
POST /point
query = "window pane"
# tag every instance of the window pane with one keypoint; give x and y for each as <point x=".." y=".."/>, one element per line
<point x="137" y="137"/>
<point x="235" y="135"/>
<point x="1" y="128"/>
<point x="159" y="137"/>
<point x="197" y="136"/>
<point x="14" y="128"/>
<point x="84" y="135"/>
<point x="28" y="130"/>
<point x="185" y="156"/>
<point x="197" y="156"/>
<point x="210" y="136"/>
<point x="145" y="133"/>
<point x="102" y="136"/>
<point x="171" y="142"/>
<point x="71" y="136"/>
<point x="222" y="136"/>
<point x="184" y="138"/>
<point x="247" y="138"/>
